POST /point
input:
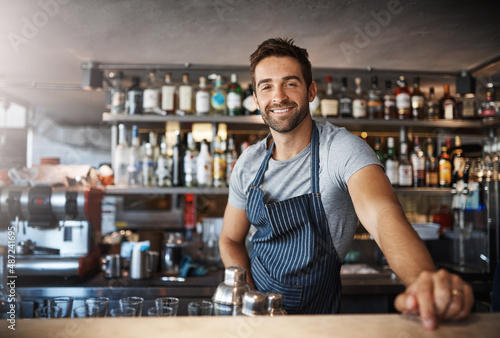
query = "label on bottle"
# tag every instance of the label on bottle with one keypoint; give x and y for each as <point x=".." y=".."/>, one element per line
<point x="189" y="169"/>
<point x="444" y="173"/>
<point x="432" y="111"/>
<point x="134" y="102"/>
<point x="118" y="101"/>
<point x="329" y="107"/>
<point x="219" y="170"/>
<point x="202" y="102"/>
<point x="345" y="106"/>
<point x="403" y="101"/>
<point x="167" y="98"/>
<point x="233" y="101"/>
<point x="488" y="110"/>
<point x="358" y="108"/>
<point x="218" y="101"/>
<point x="405" y="175"/>
<point x="418" y="163"/>
<point x="417" y="102"/>
<point x="151" y="99"/>
<point x="249" y="104"/>
<point x="468" y="108"/>
<point x="391" y="170"/>
<point x="186" y="98"/>
<point x="448" y="107"/>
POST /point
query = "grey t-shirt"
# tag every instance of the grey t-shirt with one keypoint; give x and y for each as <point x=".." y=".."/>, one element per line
<point x="341" y="155"/>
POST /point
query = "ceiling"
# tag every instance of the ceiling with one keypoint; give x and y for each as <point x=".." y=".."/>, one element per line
<point x="44" y="43"/>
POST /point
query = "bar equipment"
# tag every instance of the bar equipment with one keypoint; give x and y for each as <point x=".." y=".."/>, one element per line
<point x="228" y="296"/>
<point x="275" y="304"/>
<point x="254" y="303"/>
<point x="57" y="228"/>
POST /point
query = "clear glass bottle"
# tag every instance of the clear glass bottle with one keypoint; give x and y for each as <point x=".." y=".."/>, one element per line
<point x="151" y="96"/>
<point x="405" y="172"/>
<point x="359" y="102"/>
<point x="135" y="159"/>
<point x="390" y="111"/>
<point x="135" y="97"/>
<point x="445" y="166"/>
<point x="202" y="99"/>
<point x="231" y="157"/>
<point x="417" y="158"/>
<point x="403" y="101"/>
<point x="329" y="104"/>
<point x="169" y="95"/>
<point x="219" y="164"/>
<point x="177" y="162"/>
<point x="432" y="107"/>
<point x="375" y="103"/>
<point x="345" y="100"/>
<point x="118" y="95"/>
<point x="392" y="163"/>
<point x="431" y="166"/>
<point x="163" y="170"/>
<point x="120" y="164"/>
<point x="148" y="166"/>
<point x="234" y="97"/>
<point x="186" y="104"/>
<point x="219" y="99"/>
<point x="417" y="101"/>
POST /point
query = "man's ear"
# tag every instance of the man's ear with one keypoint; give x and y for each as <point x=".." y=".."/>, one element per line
<point x="312" y="91"/>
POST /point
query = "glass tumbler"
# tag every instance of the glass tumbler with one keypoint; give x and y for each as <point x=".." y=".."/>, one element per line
<point x="203" y="308"/>
<point x="165" y="305"/>
<point x="132" y="302"/>
<point x="48" y="312"/>
<point x="122" y="312"/>
<point x="65" y="303"/>
<point x="97" y="307"/>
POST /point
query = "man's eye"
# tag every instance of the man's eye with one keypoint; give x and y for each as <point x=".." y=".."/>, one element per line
<point x="291" y="84"/>
<point x="264" y="87"/>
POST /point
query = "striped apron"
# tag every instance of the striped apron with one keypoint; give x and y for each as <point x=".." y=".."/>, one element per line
<point x="292" y="251"/>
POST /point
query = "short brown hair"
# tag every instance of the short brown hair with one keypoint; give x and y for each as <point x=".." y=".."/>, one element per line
<point x="281" y="47"/>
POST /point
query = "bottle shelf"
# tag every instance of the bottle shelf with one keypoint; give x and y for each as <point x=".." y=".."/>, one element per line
<point x="120" y="190"/>
<point x="349" y="123"/>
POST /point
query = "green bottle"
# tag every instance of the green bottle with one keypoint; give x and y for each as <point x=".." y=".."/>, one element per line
<point x="234" y="97"/>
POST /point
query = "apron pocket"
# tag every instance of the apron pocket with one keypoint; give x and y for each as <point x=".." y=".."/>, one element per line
<point x="292" y="294"/>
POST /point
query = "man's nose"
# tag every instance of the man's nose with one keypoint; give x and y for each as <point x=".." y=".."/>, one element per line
<point x="279" y="95"/>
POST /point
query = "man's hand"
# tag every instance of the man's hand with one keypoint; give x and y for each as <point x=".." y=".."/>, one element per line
<point x="436" y="296"/>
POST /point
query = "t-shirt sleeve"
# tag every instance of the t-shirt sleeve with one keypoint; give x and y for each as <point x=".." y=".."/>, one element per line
<point x="237" y="195"/>
<point x="347" y="154"/>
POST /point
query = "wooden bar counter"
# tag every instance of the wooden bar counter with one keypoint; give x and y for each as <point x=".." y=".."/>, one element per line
<point x="478" y="325"/>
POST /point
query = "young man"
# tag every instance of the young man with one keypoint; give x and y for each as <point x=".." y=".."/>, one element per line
<point x="303" y="187"/>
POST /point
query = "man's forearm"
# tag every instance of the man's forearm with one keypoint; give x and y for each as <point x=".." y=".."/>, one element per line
<point x="233" y="253"/>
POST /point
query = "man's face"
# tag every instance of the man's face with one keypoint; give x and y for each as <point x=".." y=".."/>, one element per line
<point x="281" y="93"/>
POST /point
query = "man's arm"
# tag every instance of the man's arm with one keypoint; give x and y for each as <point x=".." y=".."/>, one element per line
<point x="232" y="240"/>
<point x="435" y="295"/>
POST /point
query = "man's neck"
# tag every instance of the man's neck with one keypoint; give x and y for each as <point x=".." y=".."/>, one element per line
<point x="288" y="145"/>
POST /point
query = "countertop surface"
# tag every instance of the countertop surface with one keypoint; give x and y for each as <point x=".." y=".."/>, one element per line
<point x="477" y="326"/>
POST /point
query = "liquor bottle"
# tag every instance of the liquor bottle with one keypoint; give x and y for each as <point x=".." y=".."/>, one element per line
<point x="417" y="101"/>
<point x="234" y="97"/>
<point x="204" y="166"/>
<point x="488" y="109"/>
<point x="118" y="95"/>
<point x="432" y="107"/>
<point x="375" y="103"/>
<point x="392" y="163"/>
<point x="135" y="160"/>
<point x="202" y="98"/>
<point x="218" y="101"/>
<point x="134" y="97"/>
<point x="468" y="109"/>
<point x="169" y="96"/>
<point x="378" y="150"/>
<point x="431" y="166"/>
<point x="445" y="166"/>
<point x="186" y="105"/>
<point x="163" y="172"/>
<point x="249" y="106"/>
<point x="417" y="158"/>
<point x="219" y="164"/>
<point x="405" y="170"/>
<point x="403" y="102"/>
<point x="151" y="96"/>
<point x="121" y="158"/>
<point x="190" y="162"/>
<point x="345" y="100"/>
<point x="153" y="140"/>
<point x="148" y="165"/>
<point x="177" y="162"/>
<point x="457" y="161"/>
<point x="390" y="111"/>
<point x="329" y="104"/>
<point x="359" y="102"/>
<point x="447" y="105"/>
<point x="231" y="157"/>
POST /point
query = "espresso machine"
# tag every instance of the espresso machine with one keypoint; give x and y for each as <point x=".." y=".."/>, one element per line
<point x="57" y="228"/>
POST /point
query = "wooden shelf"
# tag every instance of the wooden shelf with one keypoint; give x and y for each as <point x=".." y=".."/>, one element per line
<point x="118" y="190"/>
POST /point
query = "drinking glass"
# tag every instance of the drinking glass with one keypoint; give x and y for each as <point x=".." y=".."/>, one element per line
<point x="97" y="307"/>
<point x="80" y="312"/>
<point x="203" y="308"/>
<point x="65" y="303"/>
<point x="166" y="312"/>
<point x="48" y="312"/>
<point x="166" y="304"/>
<point x="122" y="312"/>
<point x="132" y="302"/>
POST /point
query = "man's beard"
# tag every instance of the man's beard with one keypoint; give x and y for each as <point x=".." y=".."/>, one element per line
<point x="288" y="122"/>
